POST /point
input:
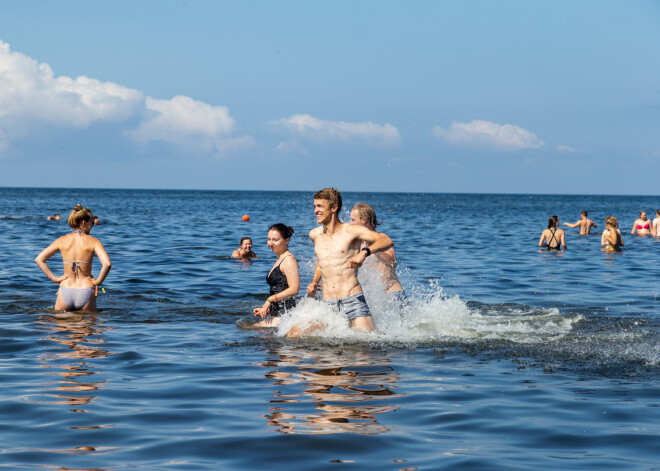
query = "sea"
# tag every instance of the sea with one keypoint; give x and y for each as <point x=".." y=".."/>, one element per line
<point x="506" y="357"/>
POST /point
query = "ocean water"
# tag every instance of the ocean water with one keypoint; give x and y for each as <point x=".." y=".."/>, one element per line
<point x="507" y="357"/>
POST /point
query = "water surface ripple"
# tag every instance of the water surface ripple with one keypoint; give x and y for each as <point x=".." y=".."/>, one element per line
<point x="508" y="357"/>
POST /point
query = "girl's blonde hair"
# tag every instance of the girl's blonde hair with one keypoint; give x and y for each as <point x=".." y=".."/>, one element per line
<point x="78" y="215"/>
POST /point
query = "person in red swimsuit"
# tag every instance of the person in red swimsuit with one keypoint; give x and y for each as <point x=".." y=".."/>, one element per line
<point x="642" y="225"/>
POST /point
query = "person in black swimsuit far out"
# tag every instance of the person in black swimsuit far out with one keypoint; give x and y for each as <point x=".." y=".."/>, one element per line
<point x="553" y="238"/>
<point x="283" y="278"/>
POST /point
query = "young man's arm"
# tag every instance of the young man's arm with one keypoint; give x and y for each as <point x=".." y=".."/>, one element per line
<point x="379" y="243"/>
<point x="572" y="225"/>
<point x="312" y="287"/>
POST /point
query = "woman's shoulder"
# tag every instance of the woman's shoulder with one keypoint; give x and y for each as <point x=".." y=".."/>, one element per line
<point x="289" y="260"/>
<point x="92" y="240"/>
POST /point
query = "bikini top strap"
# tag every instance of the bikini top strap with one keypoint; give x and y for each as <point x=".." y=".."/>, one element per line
<point x="75" y="265"/>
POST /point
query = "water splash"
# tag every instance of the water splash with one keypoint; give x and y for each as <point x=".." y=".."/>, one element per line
<point x="431" y="316"/>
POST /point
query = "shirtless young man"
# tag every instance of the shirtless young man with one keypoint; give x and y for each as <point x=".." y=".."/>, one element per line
<point x="337" y="246"/>
<point x="584" y="223"/>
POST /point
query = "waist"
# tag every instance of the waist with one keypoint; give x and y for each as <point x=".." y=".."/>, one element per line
<point x="340" y="301"/>
<point x="74" y="282"/>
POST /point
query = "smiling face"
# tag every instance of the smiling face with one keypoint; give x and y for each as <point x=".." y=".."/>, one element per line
<point x="246" y="246"/>
<point x="642" y="215"/>
<point x="324" y="211"/>
<point x="276" y="242"/>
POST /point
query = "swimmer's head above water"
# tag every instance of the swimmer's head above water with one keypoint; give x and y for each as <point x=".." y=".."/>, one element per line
<point x="553" y="221"/>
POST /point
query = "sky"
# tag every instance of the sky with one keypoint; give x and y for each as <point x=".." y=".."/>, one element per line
<point x="420" y="96"/>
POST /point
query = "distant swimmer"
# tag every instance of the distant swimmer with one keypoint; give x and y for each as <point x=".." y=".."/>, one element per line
<point x="611" y="239"/>
<point x="642" y="225"/>
<point x="244" y="252"/>
<point x="655" y="228"/>
<point x="339" y="255"/>
<point x="384" y="262"/>
<point x="585" y="224"/>
<point x="553" y="238"/>
<point x="96" y="221"/>
<point x="283" y="278"/>
<point x="77" y="285"/>
<point x="54" y="217"/>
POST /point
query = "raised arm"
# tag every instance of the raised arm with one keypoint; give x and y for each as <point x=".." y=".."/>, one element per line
<point x="379" y="243"/>
<point x="572" y="225"/>
<point x="44" y="256"/>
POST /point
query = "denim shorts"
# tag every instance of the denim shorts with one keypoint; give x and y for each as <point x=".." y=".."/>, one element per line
<point x="352" y="307"/>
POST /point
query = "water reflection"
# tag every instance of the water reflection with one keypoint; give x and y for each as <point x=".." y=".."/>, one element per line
<point x="76" y="339"/>
<point x="345" y="399"/>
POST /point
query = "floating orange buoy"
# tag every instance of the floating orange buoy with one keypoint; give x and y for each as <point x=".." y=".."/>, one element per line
<point x="246" y="218"/>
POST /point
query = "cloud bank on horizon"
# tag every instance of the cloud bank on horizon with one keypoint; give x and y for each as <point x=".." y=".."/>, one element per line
<point x="31" y="93"/>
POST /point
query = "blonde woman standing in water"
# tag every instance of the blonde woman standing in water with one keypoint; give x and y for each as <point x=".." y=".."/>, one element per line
<point x="611" y="239"/>
<point x="77" y="285"/>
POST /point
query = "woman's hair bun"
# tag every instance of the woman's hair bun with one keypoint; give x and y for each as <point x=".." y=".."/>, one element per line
<point x="77" y="208"/>
<point x="284" y="230"/>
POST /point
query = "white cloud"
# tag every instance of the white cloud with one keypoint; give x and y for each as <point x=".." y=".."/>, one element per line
<point x="563" y="148"/>
<point x="308" y="127"/>
<point x="189" y="124"/>
<point x="32" y="96"/>
<point x="292" y="146"/>
<point x="506" y="137"/>
<point x="30" y="91"/>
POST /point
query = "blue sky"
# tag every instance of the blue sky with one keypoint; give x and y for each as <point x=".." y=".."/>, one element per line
<point x="435" y="96"/>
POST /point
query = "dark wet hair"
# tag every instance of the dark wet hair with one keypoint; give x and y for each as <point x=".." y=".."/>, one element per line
<point x="553" y="221"/>
<point x="243" y="239"/>
<point x="584" y="213"/>
<point x="284" y="230"/>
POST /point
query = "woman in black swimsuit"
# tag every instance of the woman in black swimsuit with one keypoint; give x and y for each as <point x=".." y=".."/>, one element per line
<point x="283" y="278"/>
<point x="553" y="238"/>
